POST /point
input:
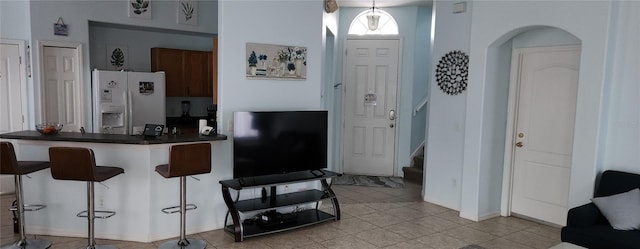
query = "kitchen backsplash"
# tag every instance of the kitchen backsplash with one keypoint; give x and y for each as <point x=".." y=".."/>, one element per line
<point x="198" y="106"/>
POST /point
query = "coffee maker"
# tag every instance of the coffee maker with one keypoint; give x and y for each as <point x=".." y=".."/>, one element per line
<point x="186" y="106"/>
<point x="211" y="118"/>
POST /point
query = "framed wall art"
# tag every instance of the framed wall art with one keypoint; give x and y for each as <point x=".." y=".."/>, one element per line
<point x="140" y="8"/>
<point x="266" y="61"/>
<point x="452" y="72"/>
<point x="117" y="57"/>
<point x="59" y="28"/>
<point x="188" y="12"/>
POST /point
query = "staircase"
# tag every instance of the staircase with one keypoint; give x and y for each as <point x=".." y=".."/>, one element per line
<point x="414" y="172"/>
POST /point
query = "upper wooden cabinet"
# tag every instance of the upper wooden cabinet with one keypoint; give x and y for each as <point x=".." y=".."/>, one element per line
<point x="188" y="73"/>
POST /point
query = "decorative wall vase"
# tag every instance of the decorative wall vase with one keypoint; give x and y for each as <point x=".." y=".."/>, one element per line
<point x="298" y="63"/>
<point x="291" y="68"/>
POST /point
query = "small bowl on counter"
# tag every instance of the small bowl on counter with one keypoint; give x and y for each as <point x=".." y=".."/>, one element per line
<point x="49" y="128"/>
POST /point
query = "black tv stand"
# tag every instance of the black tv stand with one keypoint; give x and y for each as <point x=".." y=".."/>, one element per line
<point x="300" y="218"/>
<point x="317" y="173"/>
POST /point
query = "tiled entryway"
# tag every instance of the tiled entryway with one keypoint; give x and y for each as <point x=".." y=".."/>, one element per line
<point x="372" y="217"/>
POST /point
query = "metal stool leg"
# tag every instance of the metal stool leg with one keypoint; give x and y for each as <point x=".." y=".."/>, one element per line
<point x="183" y="243"/>
<point x="91" y="216"/>
<point x="25" y="243"/>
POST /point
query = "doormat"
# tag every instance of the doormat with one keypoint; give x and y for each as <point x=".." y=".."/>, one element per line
<point x="369" y="181"/>
<point x="472" y="247"/>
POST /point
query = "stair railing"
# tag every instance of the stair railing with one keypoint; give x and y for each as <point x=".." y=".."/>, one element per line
<point x="422" y="104"/>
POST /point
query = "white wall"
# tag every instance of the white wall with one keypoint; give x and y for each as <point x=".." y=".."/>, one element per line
<point x="295" y="23"/>
<point x="445" y="131"/>
<point x="544" y="37"/>
<point x="589" y="22"/>
<point x="622" y="127"/>
<point x="329" y="92"/>
<point x="260" y="21"/>
<point x="14" y="19"/>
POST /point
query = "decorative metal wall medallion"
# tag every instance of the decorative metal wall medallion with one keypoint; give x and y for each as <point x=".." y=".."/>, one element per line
<point x="452" y="72"/>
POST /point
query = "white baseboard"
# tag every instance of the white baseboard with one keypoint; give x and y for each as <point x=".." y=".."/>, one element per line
<point x="481" y="217"/>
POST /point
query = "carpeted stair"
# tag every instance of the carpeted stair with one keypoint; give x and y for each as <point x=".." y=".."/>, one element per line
<point x="414" y="172"/>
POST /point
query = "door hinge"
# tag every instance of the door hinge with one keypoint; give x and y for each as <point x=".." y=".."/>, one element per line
<point x="20" y="60"/>
<point x="23" y="119"/>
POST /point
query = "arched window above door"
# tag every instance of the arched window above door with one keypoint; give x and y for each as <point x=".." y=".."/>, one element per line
<point x="387" y="25"/>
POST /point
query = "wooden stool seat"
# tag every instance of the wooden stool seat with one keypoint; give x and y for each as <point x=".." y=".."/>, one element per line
<point x="79" y="164"/>
<point x="185" y="160"/>
<point x="9" y="165"/>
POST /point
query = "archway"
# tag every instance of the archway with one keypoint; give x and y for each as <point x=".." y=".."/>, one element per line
<point x="496" y="122"/>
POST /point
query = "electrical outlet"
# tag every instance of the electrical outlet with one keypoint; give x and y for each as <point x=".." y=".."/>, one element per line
<point x="100" y="202"/>
<point x="230" y="125"/>
<point x="454" y="183"/>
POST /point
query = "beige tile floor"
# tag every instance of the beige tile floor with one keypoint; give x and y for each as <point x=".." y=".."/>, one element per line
<point x="371" y="218"/>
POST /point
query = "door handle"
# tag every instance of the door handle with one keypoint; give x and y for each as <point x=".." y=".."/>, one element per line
<point x="519" y="144"/>
<point x="392" y="115"/>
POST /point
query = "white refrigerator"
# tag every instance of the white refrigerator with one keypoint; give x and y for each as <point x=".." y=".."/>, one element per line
<point x="124" y="100"/>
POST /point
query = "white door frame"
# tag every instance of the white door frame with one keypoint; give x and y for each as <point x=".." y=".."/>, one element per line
<point x="509" y="150"/>
<point x="79" y="74"/>
<point x="23" y="77"/>
<point x="340" y="168"/>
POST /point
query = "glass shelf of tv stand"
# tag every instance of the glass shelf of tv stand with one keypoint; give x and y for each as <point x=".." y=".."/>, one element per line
<point x="278" y="179"/>
<point x="308" y="217"/>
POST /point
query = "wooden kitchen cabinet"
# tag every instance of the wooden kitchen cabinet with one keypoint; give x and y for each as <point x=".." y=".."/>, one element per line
<point x="188" y="73"/>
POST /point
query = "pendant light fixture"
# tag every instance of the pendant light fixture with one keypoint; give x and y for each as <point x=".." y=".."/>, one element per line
<point x="373" y="18"/>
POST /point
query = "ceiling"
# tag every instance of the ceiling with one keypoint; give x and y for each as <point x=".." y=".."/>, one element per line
<point x="383" y="3"/>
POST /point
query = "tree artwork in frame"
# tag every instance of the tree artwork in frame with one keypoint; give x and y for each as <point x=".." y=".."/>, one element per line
<point x="188" y="12"/>
<point x="267" y="61"/>
<point x="117" y="57"/>
<point x="140" y="8"/>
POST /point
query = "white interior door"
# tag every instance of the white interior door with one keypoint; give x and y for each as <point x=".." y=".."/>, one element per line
<point x="10" y="88"/>
<point x="11" y="98"/>
<point x="62" y="90"/>
<point x="371" y="82"/>
<point x="548" y="83"/>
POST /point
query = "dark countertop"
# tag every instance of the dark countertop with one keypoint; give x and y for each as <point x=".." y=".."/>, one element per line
<point x="111" y="138"/>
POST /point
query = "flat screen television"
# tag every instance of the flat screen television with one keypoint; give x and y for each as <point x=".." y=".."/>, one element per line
<point x="277" y="142"/>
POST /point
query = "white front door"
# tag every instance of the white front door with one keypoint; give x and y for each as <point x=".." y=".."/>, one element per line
<point x="11" y="94"/>
<point x="62" y="90"/>
<point x="548" y="84"/>
<point x="371" y="82"/>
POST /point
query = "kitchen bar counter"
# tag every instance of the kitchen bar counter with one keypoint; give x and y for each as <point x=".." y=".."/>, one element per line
<point x="111" y="138"/>
<point x="137" y="196"/>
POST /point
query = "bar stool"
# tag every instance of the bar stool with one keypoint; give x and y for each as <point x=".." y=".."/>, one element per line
<point x="79" y="164"/>
<point x="9" y="165"/>
<point x="185" y="160"/>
